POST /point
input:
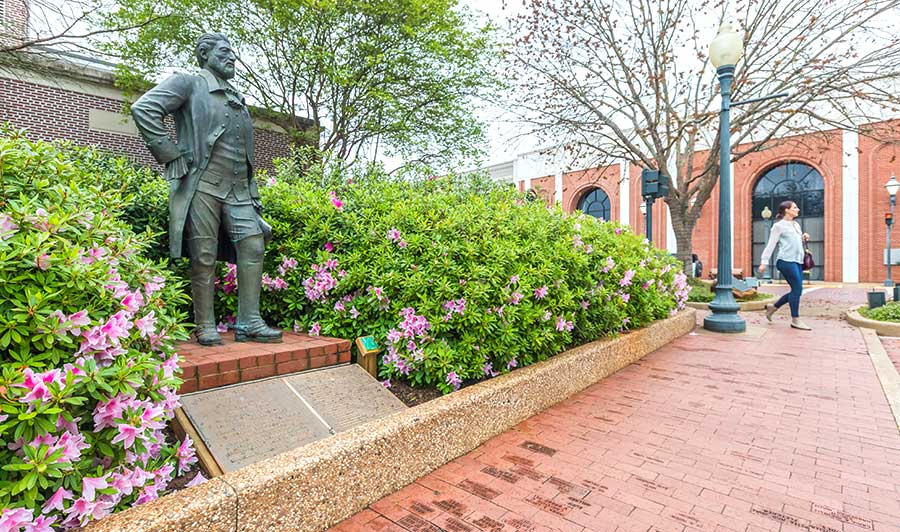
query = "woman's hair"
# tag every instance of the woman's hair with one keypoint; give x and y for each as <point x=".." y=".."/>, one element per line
<point x="783" y="206"/>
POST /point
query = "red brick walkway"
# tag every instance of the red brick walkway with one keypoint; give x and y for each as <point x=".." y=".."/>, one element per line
<point x="777" y="430"/>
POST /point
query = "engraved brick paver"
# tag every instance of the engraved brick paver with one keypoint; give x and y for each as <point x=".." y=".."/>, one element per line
<point x="778" y="430"/>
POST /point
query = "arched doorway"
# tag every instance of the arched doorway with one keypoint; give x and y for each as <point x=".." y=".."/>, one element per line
<point x="802" y="184"/>
<point x="596" y="203"/>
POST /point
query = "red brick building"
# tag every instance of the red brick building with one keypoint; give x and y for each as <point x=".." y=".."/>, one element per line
<point x="837" y="178"/>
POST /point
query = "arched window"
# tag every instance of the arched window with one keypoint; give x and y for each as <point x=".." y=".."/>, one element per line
<point x="596" y="203"/>
<point x="802" y="184"/>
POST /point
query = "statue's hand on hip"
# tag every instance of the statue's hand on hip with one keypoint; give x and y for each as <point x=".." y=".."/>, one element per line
<point x="176" y="169"/>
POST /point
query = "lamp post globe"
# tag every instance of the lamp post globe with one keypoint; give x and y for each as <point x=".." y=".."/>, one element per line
<point x="724" y="52"/>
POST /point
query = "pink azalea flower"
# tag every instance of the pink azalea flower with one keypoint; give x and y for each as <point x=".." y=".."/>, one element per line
<point x="515" y="298"/>
<point x="626" y="279"/>
<point x="454" y="380"/>
<point x="560" y="323"/>
<point x="77" y="320"/>
<point x="541" y="293"/>
<point x="89" y="485"/>
<point x="337" y="203"/>
<point x="393" y="234"/>
<point x="196" y="481"/>
<point x="329" y="247"/>
<point x="8" y="228"/>
<point x="314" y="330"/>
<point x="12" y="519"/>
<point x="386" y="383"/>
<point x="55" y="502"/>
<point x="512" y="364"/>
<point x="514" y="279"/>
<point x="154" y="285"/>
<point x="186" y="455"/>
<point x="402" y="243"/>
<point x="42" y="262"/>
<point x="339" y="306"/>
<point x="221" y="327"/>
<point x="626" y="297"/>
<point x="147" y="324"/>
<point x="271" y="181"/>
<point x="354" y="313"/>
<point x="41" y="524"/>
<point x="133" y="301"/>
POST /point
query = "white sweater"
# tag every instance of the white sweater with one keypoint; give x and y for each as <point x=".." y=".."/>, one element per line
<point x="789" y="236"/>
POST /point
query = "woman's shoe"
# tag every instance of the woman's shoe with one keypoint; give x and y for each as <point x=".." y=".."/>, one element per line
<point x="797" y="324"/>
<point x="770" y="310"/>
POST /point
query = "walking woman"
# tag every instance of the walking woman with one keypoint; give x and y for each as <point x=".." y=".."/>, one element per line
<point x="786" y="233"/>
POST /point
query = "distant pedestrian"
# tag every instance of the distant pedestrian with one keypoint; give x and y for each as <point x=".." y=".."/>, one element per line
<point x="787" y="234"/>
<point x="697" y="266"/>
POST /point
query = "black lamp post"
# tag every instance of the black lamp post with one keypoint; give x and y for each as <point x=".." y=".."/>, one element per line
<point x="892" y="186"/>
<point x="724" y="52"/>
<point x="653" y="185"/>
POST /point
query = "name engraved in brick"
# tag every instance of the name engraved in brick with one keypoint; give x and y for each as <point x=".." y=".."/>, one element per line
<point x="591" y="485"/>
<point x="538" y="448"/>
<point x="520" y="524"/>
<point x="606" y="419"/>
<point x="529" y="473"/>
<point x="506" y="476"/>
<point x="518" y="460"/>
<point x="486" y="523"/>
<point x="651" y="484"/>
<point x="688" y="520"/>
<point x="647" y="458"/>
<point x="746" y="456"/>
<point x="843" y="516"/>
<point x="421" y="508"/>
<point x="564" y="486"/>
<point x="791" y="520"/>
<point x="547" y="505"/>
<point x="577" y="504"/>
<point x="451" y="506"/>
<point x="455" y="525"/>
<point x="414" y="523"/>
<point x="479" y="489"/>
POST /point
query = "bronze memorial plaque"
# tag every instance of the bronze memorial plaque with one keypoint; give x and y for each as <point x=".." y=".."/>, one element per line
<point x="246" y="423"/>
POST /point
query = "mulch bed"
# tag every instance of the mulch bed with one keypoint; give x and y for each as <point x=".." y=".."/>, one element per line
<point x="413" y="396"/>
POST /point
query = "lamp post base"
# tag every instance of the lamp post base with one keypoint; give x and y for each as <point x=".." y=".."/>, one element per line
<point x="724" y="323"/>
<point x="724" y="317"/>
<point x="889" y="283"/>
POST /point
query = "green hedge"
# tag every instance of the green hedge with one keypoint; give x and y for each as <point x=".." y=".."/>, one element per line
<point x="459" y="278"/>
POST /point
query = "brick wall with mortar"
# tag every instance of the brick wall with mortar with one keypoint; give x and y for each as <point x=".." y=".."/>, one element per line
<point x="877" y="161"/>
<point x="49" y="112"/>
<point x="13" y="21"/>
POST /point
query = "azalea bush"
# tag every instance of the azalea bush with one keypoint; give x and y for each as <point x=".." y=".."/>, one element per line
<point x="458" y="278"/>
<point x="88" y="372"/>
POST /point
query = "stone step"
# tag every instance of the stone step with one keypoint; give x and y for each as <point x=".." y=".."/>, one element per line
<point x="211" y="367"/>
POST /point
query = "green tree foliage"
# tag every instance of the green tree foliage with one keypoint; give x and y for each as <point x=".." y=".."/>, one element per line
<point x="379" y="74"/>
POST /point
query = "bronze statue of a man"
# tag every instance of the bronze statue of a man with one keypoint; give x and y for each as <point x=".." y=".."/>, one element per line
<point x="213" y="199"/>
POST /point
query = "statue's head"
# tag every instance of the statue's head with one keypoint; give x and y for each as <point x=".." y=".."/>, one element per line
<point x="214" y="53"/>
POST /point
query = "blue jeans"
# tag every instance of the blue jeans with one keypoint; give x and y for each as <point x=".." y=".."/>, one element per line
<point x="793" y="273"/>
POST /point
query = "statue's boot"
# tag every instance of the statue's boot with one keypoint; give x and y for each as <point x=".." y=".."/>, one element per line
<point x="250" y="326"/>
<point x="203" y="269"/>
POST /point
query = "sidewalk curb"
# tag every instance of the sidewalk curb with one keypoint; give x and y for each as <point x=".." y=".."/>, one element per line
<point x="883" y="328"/>
<point x="316" y="486"/>
<point x="885" y="370"/>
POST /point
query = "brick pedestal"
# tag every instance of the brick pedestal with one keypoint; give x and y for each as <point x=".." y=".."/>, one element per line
<point x="233" y="362"/>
